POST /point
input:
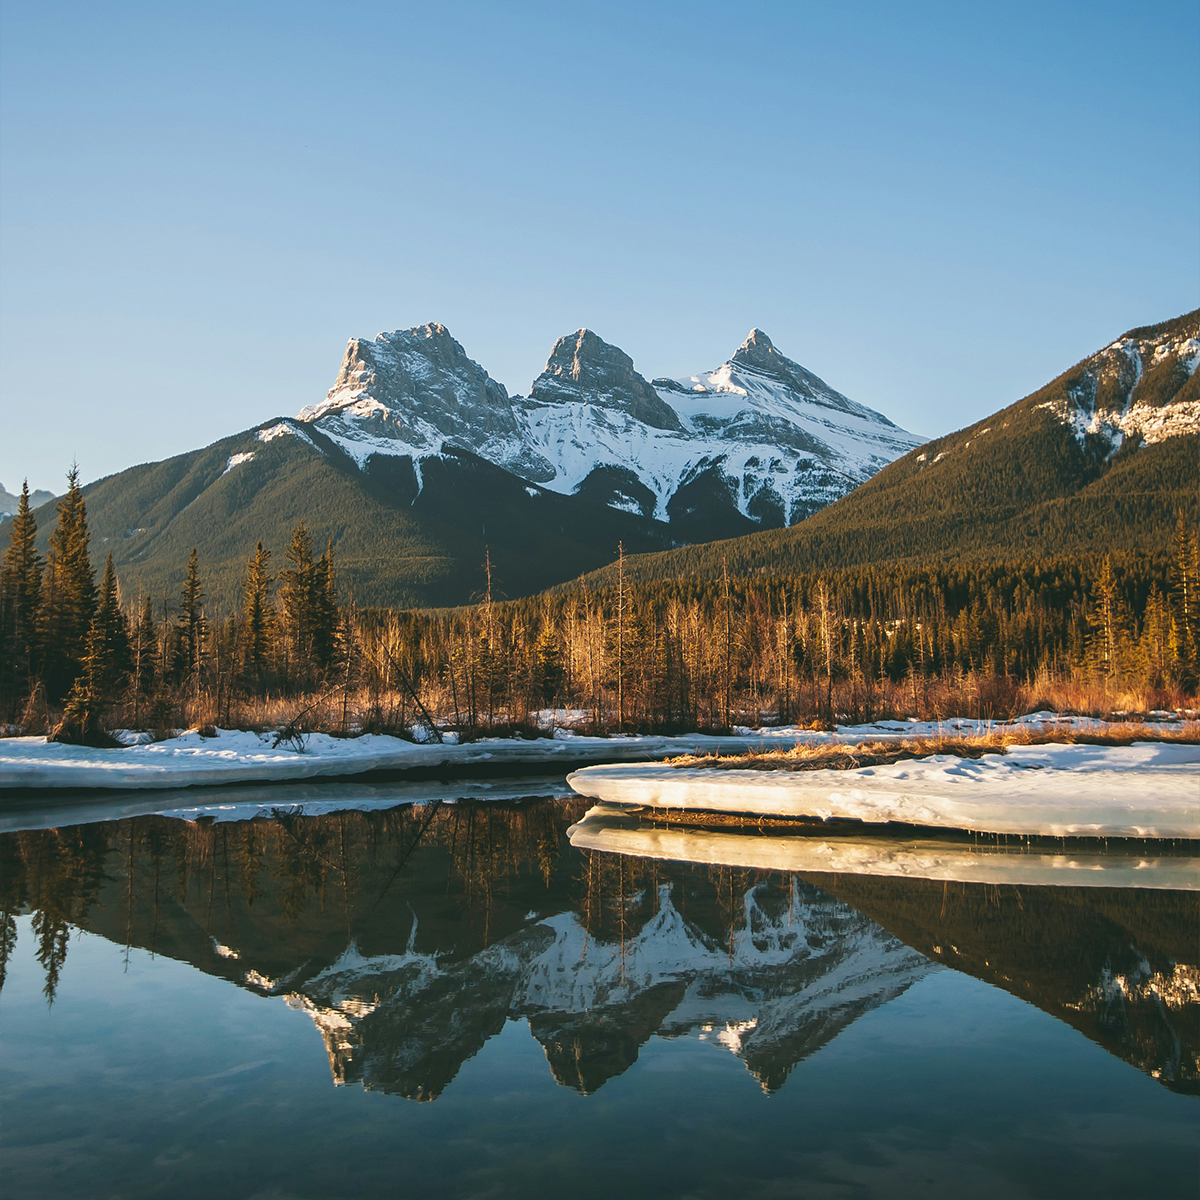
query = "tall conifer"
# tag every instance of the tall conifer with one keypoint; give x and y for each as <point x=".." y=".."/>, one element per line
<point x="256" y="615"/>
<point x="20" y="593"/>
<point x="192" y="624"/>
<point x="296" y="587"/>
<point x="114" y="627"/>
<point x="70" y="604"/>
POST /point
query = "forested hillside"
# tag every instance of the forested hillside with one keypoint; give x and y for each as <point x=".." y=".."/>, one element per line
<point x="1102" y="459"/>
<point x="398" y="539"/>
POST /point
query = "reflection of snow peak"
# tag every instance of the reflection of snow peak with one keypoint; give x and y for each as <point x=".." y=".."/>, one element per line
<point x="781" y="983"/>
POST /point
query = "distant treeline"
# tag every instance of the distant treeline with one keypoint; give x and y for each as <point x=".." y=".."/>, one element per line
<point x="78" y="657"/>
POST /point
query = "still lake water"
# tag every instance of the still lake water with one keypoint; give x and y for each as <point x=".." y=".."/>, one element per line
<point x="447" y="999"/>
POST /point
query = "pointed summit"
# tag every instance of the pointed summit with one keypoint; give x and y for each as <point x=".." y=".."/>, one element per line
<point x="758" y="351"/>
<point x="585" y="369"/>
<point x="756" y="339"/>
<point x="758" y="354"/>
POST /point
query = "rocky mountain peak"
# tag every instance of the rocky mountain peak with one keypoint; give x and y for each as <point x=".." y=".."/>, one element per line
<point x="756" y="340"/>
<point x="584" y="368"/>
<point x="758" y="354"/>
<point x="419" y="376"/>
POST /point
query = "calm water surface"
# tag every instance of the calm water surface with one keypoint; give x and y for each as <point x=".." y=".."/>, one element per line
<point x="447" y="999"/>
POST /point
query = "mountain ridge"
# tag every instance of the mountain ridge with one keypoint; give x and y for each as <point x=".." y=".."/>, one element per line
<point x="1103" y="457"/>
<point x="418" y="467"/>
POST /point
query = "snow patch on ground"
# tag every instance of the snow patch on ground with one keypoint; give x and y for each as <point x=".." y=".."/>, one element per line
<point x="236" y="460"/>
<point x="1122" y="416"/>
<point x="237" y="756"/>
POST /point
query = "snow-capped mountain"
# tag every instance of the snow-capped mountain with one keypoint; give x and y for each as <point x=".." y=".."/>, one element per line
<point x="767" y="438"/>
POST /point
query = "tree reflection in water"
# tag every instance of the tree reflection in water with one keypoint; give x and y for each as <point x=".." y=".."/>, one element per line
<point x="410" y="936"/>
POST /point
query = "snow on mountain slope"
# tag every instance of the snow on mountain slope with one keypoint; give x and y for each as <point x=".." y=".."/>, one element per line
<point x="413" y="391"/>
<point x="1137" y="387"/>
<point x="782" y="442"/>
<point x="770" y="439"/>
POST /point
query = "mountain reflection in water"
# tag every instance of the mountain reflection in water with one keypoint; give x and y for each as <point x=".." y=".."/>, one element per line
<point x="410" y="936"/>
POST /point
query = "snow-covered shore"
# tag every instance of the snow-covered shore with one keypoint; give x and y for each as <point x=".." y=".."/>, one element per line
<point x="235" y="757"/>
<point x="239" y="757"/>
<point x="612" y="830"/>
<point x="1148" y="789"/>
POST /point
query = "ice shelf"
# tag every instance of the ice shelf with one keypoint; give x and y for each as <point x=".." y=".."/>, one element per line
<point x="1145" y="790"/>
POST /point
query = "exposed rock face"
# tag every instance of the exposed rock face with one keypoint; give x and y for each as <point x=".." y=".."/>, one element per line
<point x="757" y="354"/>
<point x="411" y="392"/>
<point x="585" y="369"/>
<point x="760" y="441"/>
<point x="1144" y="386"/>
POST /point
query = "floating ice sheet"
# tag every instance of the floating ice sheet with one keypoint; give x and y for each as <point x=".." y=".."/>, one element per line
<point x="1148" y="790"/>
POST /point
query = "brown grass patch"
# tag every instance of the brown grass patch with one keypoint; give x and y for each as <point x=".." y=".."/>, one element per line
<point x="846" y="757"/>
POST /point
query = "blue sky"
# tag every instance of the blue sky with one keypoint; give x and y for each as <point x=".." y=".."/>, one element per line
<point x="937" y="207"/>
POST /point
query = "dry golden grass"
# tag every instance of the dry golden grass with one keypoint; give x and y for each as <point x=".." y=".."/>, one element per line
<point x="838" y="756"/>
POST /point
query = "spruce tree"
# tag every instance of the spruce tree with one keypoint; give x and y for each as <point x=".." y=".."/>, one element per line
<point x="1186" y="572"/>
<point x="91" y="694"/>
<point x="256" y="616"/>
<point x="296" y="587"/>
<point x="143" y="644"/>
<point x="20" y="594"/>
<point x="113" y="625"/>
<point x="1107" y="618"/>
<point x="192" y="625"/>
<point x="70" y="604"/>
<point x="325" y="613"/>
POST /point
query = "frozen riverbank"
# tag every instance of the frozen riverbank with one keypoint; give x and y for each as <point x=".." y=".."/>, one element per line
<point x="1148" y="789"/>
<point x="239" y="757"/>
<point x="613" y="830"/>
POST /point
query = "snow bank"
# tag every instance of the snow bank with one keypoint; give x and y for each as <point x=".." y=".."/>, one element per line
<point x="236" y="757"/>
<point x="1149" y="789"/>
<point x="612" y="830"/>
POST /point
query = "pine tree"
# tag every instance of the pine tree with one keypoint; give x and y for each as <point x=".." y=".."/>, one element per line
<point x="20" y="594"/>
<point x="142" y="646"/>
<point x="114" y="628"/>
<point x="324" y="611"/>
<point x="192" y="625"/>
<point x="256" y="616"/>
<point x="1186" y="571"/>
<point x="296" y="586"/>
<point x="70" y="604"/>
<point x="1156" y="646"/>
<point x="548" y="664"/>
<point x="91" y="694"/>
<point x="1107" y="620"/>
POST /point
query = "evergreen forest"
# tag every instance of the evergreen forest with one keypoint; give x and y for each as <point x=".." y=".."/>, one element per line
<point x="290" y="651"/>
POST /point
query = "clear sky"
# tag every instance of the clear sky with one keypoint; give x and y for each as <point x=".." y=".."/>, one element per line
<point x="936" y="207"/>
